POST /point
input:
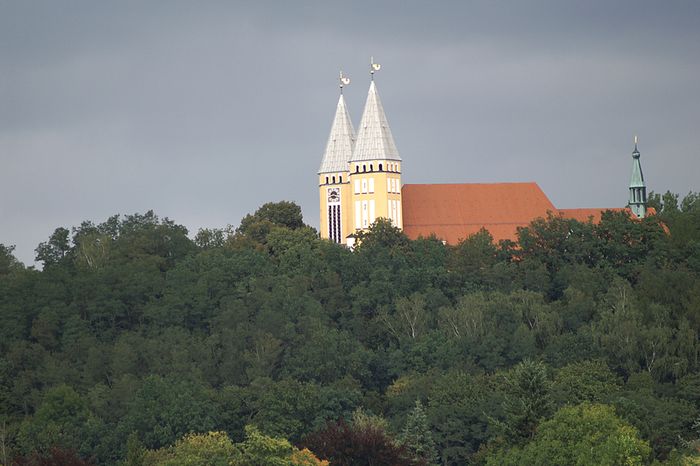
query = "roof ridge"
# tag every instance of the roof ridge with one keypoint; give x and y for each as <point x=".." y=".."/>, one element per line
<point x="471" y="184"/>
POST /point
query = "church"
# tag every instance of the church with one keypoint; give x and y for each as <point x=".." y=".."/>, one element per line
<point x="360" y="181"/>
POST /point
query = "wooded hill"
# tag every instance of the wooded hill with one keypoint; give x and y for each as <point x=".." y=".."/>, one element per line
<point x="138" y="345"/>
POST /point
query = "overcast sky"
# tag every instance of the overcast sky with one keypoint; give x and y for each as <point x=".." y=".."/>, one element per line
<point x="203" y="111"/>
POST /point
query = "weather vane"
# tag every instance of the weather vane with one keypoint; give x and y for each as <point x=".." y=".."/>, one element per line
<point x="373" y="67"/>
<point x="344" y="81"/>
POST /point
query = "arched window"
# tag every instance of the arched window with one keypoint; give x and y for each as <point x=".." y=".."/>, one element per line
<point x="326" y="180"/>
<point x="340" y="179"/>
<point x="371" y="168"/>
<point x="334" y="180"/>
<point x="357" y="169"/>
<point x="364" y="168"/>
<point x="380" y="167"/>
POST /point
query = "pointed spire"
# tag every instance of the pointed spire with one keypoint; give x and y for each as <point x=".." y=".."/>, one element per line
<point x="341" y="140"/>
<point x="637" y="188"/>
<point x="374" y="139"/>
<point x="637" y="180"/>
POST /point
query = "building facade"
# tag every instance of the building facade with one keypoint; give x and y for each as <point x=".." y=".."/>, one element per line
<point x="360" y="181"/>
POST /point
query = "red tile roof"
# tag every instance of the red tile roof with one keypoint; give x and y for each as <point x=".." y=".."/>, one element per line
<point x="455" y="211"/>
<point x="583" y="215"/>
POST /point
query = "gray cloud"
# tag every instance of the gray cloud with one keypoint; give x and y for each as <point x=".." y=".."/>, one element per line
<point x="204" y="111"/>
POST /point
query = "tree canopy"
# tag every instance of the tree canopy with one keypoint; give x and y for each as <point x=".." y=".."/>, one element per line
<point x="136" y="341"/>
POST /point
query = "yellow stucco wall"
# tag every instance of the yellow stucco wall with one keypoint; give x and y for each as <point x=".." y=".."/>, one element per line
<point x="362" y="177"/>
<point x="345" y="209"/>
<point x="364" y="186"/>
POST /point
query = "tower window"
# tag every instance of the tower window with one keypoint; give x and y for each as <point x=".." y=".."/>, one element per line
<point x="340" y="179"/>
<point x="326" y="180"/>
<point x="380" y="167"/>
<point x="357" y="169"/>
<point x="371" y="168"/>
<point x="334" y="223"/>
<point x="364" y="168"/>
<point x="334" y="180"/>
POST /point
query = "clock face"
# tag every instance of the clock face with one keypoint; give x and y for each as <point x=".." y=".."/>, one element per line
<point x="333" y="195"/>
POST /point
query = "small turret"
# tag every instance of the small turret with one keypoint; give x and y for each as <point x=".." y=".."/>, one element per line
<point x="638" y="190"/>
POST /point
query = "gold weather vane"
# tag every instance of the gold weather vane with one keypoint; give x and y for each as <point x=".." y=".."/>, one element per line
<point x="373" y="67"/>
<point x="344" y="81"/>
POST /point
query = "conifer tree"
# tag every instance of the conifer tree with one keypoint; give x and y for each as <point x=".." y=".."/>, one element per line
<point x="527" y="400"/>
<point x="417" y="436"/>
<point x="135" y="451"/>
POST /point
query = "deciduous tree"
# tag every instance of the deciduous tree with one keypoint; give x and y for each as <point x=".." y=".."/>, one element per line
<point x="583" y="434"/>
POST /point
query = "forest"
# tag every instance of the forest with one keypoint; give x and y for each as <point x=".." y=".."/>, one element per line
<point x="262" y="344"/>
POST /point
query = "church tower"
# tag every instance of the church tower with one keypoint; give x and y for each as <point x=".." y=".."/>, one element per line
<point x="375" y="166"/>
<point x="333" y="179"/>
<point x="638" y="190"/>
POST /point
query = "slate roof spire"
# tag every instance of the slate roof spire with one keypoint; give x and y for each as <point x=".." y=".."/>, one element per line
<point x="341" y="141"/>
<point x="374" y="139"/>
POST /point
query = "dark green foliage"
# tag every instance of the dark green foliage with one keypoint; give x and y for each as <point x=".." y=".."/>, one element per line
<point x="283" y="214"/>
<point x="584" y="381"/>
<point x="8" y="262"/>
<point x="527" y="400"/>
<point x="382" y="238"/>
<point x="163" y="410"/>
<point x="55" y="249"/>
<point x="133" y="335"/>
<point x="455" y="408"/>
<point x="61" y="420"/>
<point x="663" y="421"/>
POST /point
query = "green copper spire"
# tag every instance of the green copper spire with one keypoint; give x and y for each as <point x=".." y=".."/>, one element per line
<point x="638" y="190"/>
